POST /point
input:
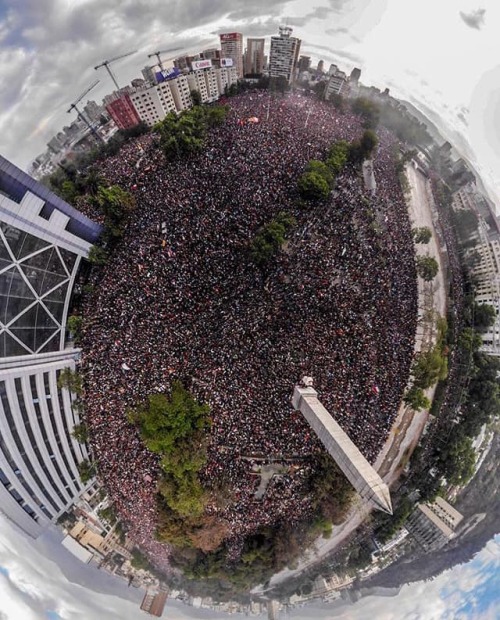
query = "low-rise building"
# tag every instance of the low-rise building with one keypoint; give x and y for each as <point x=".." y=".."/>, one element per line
<point x="433" y="525"/>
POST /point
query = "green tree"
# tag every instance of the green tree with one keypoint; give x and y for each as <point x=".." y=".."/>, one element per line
<point x="427" y="267"/>
<point x="484" y="316"/>
<point x="74" y="325"/>
<point x="116" y="205"/>
<point x="97" y="255"/>
<point x="470" y="340"/>
<point x="416" y="399"/>
<point x="368" y="110"/>
<point x="313" y="186"/>
<point x="458" y="460"/>
<point x="174" y="428"/>
<point x="421" y="235"/>
<point x="363" y="149"/>
<point x="80" y="433"/>
<point x="70" y="380"/>
<point x="322" y="169"/>
<point x="338" y="156"/>
<point x="429" y="367"/>
<point x="270" y="238"/>
<point x="86" y="470"/>
<point x="196" y="97"/>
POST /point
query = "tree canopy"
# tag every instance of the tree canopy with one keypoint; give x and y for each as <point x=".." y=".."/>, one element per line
<point x="427" y="267"/>
<point x="270" y="238"/>
<point x="422" y="235"/>
<point x="484" y="316"/>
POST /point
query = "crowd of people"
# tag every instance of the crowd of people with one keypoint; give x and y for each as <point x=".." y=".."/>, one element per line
<point x="181" y="298"/>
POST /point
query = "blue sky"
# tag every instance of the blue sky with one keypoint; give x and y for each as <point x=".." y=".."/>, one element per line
<point x="42" y="579"/>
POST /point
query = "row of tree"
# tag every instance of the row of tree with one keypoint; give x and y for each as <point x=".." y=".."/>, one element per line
<point x="319" y="177"/>
<point x="174" y="428"/>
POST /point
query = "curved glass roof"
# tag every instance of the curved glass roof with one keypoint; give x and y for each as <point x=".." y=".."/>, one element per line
<point x="34" y="280"/>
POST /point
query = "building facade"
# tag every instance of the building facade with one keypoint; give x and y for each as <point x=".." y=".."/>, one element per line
<point x="254" y="57"/>
<point x="284" y="54"/>
<point x="123" y="113"/>
<point x="231" y="45"/>
<point x="337" y="85"/>
<point x="42" y="242"/>
<point x="433" y="525"/>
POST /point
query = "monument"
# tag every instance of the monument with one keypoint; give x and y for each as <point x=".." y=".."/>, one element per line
<point x="353" y="464"/>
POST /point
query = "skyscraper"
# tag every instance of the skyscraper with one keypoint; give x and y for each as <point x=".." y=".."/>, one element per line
<point x="254" y="57"/>
<point x="42" y="242"/>
<point x="231" y="44"/>
<point x="284" y="54"/>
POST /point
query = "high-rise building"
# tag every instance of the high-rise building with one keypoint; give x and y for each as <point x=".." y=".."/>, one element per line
<point x="355" y="75"/>
<point x="42" y="242"/>
<point x="304" y="63"/>
<point x="284" y="54"/>
<point x="254" y="57"/>
<point x="205" y="82"/>
<point x="148" y="73"/>
<point x="337" y="85"/>
<point x="123" y="113"/>
<point x="433" y="525"/>
<point x="231" y="44"/>
<point x="321" y="66"/>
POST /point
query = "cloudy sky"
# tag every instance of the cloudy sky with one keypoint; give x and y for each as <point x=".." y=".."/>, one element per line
<point x="42" y="581"/>
<point x="442" y="55"/>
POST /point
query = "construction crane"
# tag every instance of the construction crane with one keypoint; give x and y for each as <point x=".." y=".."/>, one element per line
<point x="75" y="103"/>
<point x="157" y="54"/>
<point x="106" y="64"/>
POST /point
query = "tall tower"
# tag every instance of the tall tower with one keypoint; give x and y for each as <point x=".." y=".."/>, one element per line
<point x="353" y="464"/>
<point x="254" y="57"/>
<point x="42" y="242"/>
<point x="231" y="44"/>
<point x="284" y="54"/>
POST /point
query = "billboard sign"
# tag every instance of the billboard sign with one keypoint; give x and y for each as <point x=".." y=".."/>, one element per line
<point x="167" y="74"/>
<point x="196" y="65"/>
<point x="230" y="36"/>
<point x="226" y="62"/>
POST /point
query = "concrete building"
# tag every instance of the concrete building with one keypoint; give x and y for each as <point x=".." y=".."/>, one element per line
<point x="433" y="525"/>
<point x="283" y="58"/>
<point x="353" y="464"/>
<point x="154" y="103"/>
<point x="231" y="46"/>
<point x="205" y="82"/>
<point x="154" y="603"/>
<point x="226" y="77"/>
<point x="123" y="112"/>
<point x="338" y="84"/>
<point x="304" y="63"/>
<point x="42" y="242"/>
<point x="321" y="66"/>
<point x="254" y="57"/>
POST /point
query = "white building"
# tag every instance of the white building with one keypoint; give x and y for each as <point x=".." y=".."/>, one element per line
<point x="154" y="103"/>
<point x="206" y="83"/>
<point x="337" y="84"/>
<point x="226" y="77"/>
<point x="42" y="241"/>
<point x="284" y="54"/>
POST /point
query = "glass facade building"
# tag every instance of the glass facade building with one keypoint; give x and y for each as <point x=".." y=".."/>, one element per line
<point x="42" y="242"/>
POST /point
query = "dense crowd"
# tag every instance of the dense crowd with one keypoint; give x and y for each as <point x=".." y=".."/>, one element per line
<point x="181" y="299"/>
